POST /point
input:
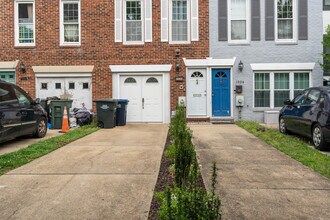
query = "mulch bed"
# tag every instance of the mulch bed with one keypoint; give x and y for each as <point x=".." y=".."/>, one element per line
<point x="165" y="178"/>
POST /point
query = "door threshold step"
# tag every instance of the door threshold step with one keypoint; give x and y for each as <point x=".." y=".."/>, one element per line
<point x="222" y="120"/>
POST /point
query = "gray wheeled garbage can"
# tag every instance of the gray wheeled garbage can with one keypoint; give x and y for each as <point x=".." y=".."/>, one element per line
<point x="121" y="112"/>
<point x="106" y="112"/>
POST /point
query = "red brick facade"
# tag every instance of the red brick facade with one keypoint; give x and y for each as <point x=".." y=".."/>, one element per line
<point x="97" y="44"/>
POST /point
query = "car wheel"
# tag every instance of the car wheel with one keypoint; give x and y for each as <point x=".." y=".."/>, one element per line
<point x="41" y="128"/>
<point x="318" y="138"/>
<point x="282" y="126"/>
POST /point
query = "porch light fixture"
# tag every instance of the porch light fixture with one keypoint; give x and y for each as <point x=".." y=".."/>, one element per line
<point x="177" y="66"/>
<point x="22" y="68"/>
<point x="240" y="66"/>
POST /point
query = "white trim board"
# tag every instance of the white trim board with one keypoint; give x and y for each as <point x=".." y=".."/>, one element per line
<point x="282" y="66"/>
<point x="63" y="69"/>
<point x="8" y="65"/>
<point x="140" y="68"/>
<point x="209" y="62"/>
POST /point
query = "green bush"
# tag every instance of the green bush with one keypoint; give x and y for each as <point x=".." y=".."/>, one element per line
<point x="190" y="202"/>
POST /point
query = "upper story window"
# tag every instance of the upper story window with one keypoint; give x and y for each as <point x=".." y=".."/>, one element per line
<point x="133" y="33"/>
<point x="70" y="22"/>
<point x="326" y="5"/>
<point x="239" y="24"/>
<point x="286" y="21"/>
<point x="24" y="23"/>
<point x="133" y="21"/>
<point x="179" y="21"/>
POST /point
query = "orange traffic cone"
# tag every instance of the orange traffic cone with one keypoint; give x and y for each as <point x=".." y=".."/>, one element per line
<point x="65" y="121"/>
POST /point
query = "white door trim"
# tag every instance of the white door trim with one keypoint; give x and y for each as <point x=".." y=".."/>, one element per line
<point x="144" y="70"/>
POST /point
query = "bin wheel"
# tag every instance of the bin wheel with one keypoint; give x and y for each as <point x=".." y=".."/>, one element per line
<point x="100" y="124"/>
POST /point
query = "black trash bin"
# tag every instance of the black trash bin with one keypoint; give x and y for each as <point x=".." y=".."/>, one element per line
<point x="106" y="112"/>
<point x="121" y="112"/>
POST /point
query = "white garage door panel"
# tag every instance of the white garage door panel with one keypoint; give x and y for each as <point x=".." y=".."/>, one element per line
<point x="131" y="90"/>
<point x="77" y="89"/>
<point x="145" y="95"/>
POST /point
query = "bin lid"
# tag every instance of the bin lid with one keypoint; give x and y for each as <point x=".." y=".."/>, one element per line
<point x="106" y="100"/>
<point x="61" y="100"/>
<point x="123" y="100"/>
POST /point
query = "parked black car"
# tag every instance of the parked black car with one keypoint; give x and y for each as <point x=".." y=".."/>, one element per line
<point x="19" y="114"/>
<point x="309" y="115"/>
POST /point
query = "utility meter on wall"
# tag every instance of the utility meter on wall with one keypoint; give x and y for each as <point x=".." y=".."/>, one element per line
<point x="239" y="101"/>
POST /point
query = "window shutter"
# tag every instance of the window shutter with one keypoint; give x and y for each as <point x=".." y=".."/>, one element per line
<point x="303" y="19"/>
<point x="270" y="20"/>
<point x="118" y="21"/>
<point x="164" y="20"/>
<point x="255" y="20"/>
<point x="194" y="21"/>
<point x="222" y="20"/>
<point x="148" y="21"/>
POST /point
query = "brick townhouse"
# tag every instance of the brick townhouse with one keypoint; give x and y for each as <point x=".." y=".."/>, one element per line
<point x="91" y="49"/>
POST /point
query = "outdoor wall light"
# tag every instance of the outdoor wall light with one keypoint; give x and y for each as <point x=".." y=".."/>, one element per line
<point x="177" y="66"/>
<point x="22" y="68"/>
<point x="240" y="66"/>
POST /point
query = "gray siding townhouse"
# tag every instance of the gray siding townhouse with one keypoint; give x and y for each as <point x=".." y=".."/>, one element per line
<point x="270" y="51"/>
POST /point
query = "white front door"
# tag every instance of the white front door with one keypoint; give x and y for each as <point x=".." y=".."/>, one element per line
<point x="145" y="95"/>
<point x="77" y="89"/>
<point x="196" y="92"/>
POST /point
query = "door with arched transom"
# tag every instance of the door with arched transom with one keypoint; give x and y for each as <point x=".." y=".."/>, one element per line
<point x="196" y="93"/>
<point x="221" y="93"/>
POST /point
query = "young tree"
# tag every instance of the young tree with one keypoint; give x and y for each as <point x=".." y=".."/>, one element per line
<point x="326" y="52"/>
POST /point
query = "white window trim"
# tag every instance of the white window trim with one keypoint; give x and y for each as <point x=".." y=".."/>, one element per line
<point x="17" y="43"/>
<point x="142" y="20"/>
<point x="170" y="15"/>
<point x="272" y="86"/>
<point x="294" y="40"/>
<point x="248" y="24"/>
<point x="62" y="42"/>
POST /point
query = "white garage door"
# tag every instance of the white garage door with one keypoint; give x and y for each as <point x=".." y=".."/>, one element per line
<point x="77" y="89"/>
<point x="145" y="95"/>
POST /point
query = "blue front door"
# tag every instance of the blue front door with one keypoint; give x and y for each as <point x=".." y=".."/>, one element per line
<point x="220" y="92"/>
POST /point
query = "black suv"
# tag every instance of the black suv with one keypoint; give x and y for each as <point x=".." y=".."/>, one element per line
<point x="19" y="114"/>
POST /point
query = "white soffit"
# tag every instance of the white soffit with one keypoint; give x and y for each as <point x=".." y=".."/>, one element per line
<point x="63" y="71"/>
<point x="326" y="78"/>
<point x="282" y="66"/>
<point x="209" y="62"/>
<point x="8" y="64"/>
<point x="140" y="68"/>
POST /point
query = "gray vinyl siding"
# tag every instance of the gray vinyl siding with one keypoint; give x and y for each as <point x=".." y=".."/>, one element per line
<point x="305" y="51"/>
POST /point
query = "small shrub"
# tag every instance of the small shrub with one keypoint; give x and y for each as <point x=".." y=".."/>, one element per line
<point x="170" y="153"/>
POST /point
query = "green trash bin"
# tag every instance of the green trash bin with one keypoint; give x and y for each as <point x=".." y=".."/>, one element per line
<point x="106" y="112"/>
<point x="57" y="109"/>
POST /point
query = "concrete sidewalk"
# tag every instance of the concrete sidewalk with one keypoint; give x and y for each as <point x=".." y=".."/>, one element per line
<point x="110" y="174"/>
<point x="255" y="181"/>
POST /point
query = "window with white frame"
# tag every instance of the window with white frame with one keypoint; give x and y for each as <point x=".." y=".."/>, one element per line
<point x="24" y="23"/>
<point x="70" y="22"/>
<point x="286" y="21"/>
<point x="133" y="31"/>
<point x="273" y="88"/>
<point x="239" y="21"/>
<point x="179" y="21"/>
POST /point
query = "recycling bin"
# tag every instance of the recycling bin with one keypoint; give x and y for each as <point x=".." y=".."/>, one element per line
<point x="121" y="113"/>
<point x="57" y="110"/>
<point x="106" y="112"/>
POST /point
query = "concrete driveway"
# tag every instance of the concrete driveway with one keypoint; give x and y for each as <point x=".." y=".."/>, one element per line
<point x="24" y="141"/>
<point x="256" y="181"/>
<point x="110" y="174"/>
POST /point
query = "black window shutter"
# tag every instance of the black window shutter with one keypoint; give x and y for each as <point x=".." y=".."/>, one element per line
<point x="270" y="19"/>
<point x="255" y="22"/>
<point x="303" y="19"/>
<point x="223" y="20"/>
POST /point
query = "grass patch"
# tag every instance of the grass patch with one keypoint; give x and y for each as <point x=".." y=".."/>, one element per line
<point x="292" y="146"/>
<point x="23" y="156"/>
